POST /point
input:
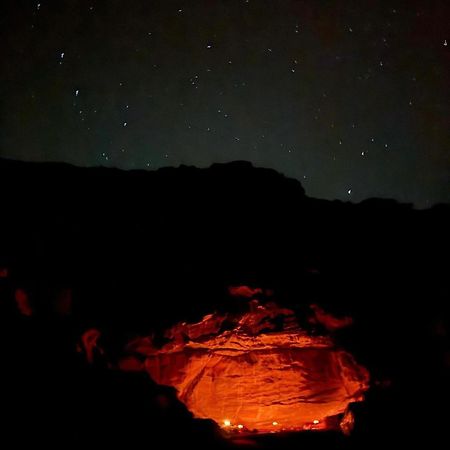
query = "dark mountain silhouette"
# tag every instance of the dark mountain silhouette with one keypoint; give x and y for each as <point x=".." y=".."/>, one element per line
<point x="133" y="252"/>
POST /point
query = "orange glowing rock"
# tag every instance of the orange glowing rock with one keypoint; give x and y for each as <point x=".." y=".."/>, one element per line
<point x="89" y="341"/>
<point x="244" y="291"/>
<point x="263" y="374"/>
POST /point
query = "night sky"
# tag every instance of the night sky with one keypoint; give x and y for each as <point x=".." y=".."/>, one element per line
<point x="350" y="97"/>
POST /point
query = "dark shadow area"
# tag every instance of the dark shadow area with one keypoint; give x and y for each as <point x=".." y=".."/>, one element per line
<point x="132" y="253"/>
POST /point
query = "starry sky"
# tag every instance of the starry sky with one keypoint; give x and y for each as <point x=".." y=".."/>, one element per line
<point x="350" y="97"/>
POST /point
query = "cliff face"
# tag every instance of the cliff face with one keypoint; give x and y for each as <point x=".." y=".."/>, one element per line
<point x="265" y="374"/>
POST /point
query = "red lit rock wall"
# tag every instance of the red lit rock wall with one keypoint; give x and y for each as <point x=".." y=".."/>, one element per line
<point x="287" y="378"/>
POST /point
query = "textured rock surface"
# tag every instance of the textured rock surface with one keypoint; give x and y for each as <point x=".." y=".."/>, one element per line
<point x="254" y="375"/>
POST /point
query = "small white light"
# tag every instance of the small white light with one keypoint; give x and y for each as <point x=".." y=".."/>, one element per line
<point x="226" y="423"/>
<point x="240" y="426"/>
<point x="315" y="422"/>
<point x="275" y="423"/>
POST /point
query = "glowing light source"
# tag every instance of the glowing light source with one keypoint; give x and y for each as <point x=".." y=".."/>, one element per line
<point x="226" y="423"/>
<point x="240" y="426"/>
<point x="275" y="423"/>
<point x="315" y="422"/>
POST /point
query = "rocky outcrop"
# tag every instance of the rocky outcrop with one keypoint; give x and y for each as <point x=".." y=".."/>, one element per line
<point x="256" y="376"/>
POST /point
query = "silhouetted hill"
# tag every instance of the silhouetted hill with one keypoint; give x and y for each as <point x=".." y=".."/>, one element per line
<point x="141" y="250"/>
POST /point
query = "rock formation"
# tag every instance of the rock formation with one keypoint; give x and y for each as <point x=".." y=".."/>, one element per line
<point x="264" y="374"/>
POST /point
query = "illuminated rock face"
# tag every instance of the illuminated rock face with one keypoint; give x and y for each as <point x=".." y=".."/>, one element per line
<point x="253" y="378"/>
